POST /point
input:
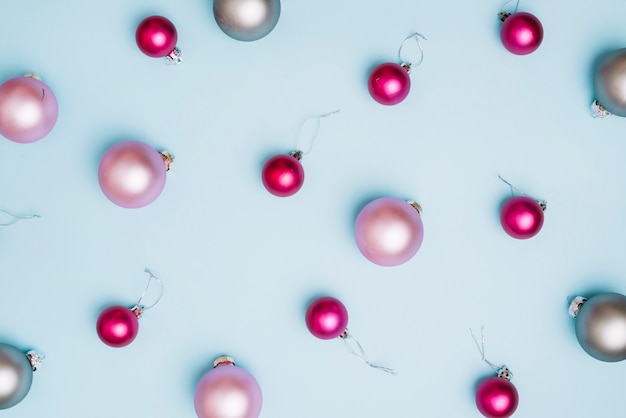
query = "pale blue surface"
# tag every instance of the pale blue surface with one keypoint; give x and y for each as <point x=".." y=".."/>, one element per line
<point x="240" y="265"/>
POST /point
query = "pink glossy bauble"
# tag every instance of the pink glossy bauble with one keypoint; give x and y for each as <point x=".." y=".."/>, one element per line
<point x="156" y="36"/>
<point x="132" y="174"/>
<point x="389" y="83"/>
<point x="496" y="397"/>
<point x="521" y="217"/>
<point x="28" y="109"/>
<point x="117" y="326"/>
<point x="521" y="33"/>
<point x="389" y="231"/>
<point x="228" y="391"/>
<point x="283" y="175"/>
<point x="326" y="318"/>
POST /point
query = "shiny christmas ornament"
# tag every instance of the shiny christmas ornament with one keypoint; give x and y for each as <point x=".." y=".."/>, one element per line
<point x="521" y="33"/>
<point x="601" y="325"/>
<point x="389" y="231"/>
<point x="246" y="20"/>
<point x="521" y="216"/>
<point x="132" y="174"/>
<point x="156" y="37"/>
<point x="28" y="109"/>
<point x="283" y="175"/>
<point x="496" y="397"/>
<point x="327" y="318"/>
<point x="227" y="391"/>
<point x="16" y="374"/>
<point x="117" y="326"/>
<point x="389" y="83"/>
<point x="610" y="85"/>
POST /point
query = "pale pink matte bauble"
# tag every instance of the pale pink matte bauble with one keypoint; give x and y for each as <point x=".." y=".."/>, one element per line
<point x="117" y="326"/>
<point x="521" y="33"/>
<point x="326" y="318"/>
<point x="132" y="174"/>
<point x="389" y="231"/>
<point x="228" y="391"/>
<point x="28" y="109"/>
<point x="496" y="397"/>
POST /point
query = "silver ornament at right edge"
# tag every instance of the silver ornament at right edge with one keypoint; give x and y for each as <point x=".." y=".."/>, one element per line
<point x="601" y="325"/>
<point x="610" y="85"/>
<point x="246" y="20"/>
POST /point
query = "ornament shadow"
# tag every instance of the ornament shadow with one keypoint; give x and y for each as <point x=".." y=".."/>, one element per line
<point x="310" y="300"/>
<point x="105" y="144"/>
<point x="477" y="383"/>
<point x="591" y="71"/>
<point x="359" y="207"/>
<point x="102" y="306"/>
<point x="373" y="64"/>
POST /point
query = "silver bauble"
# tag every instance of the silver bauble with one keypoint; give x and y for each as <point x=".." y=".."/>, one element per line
<point x="16" y="376"/>
<point x="246" y="20"/>
<point x="601" y="326"/>
<point x="610" y="82"/>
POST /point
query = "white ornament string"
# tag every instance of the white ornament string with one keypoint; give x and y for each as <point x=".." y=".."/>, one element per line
<point x="317" y="120"/>
<point x="143" y="308"/>
<point x="360" y="353"/>
<point x="504" y="5"/>
<point x="409" y="63"/>
<point x="17" y="218"/>
<point x="515" y="190"/>
<point x="481" y="349"/>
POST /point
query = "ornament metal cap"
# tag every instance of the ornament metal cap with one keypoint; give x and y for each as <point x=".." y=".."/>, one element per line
<point x="504" y="373"/>
<point x="575" y="306"/>
<point x="35" y="359"/>
<point x="174" y="57"/>
<point x="168" y="159"/>
<point x="297" y="154"/>
<point x="223" y="360"/>
<point x="416" y="205"/>
<point x="598" y="111"/>
<point x="503" y="16"/>
<point x="137" y="310"/>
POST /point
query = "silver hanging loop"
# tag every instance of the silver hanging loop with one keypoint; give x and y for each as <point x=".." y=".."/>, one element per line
<point x="408" y="64"/>
<point x="543" y="204"/>
<point x="139" y="309"/>
<point x="359" y="353"/>
<point x="501" y="371"/>
<point x="16" y="218"/>
<point x="317" y="119"/>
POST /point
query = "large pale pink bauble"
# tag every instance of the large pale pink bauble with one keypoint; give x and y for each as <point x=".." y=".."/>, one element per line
<point x="521" y="217"/>
<point x="521" y="33"/>
<point x="117" y="326"/>
<point x="28" y="109"/>
<point x="326" y="318"/>
<point x="389" y="231"/>
<point x="496" y="397"/>
<point x="228" y="391"/>
<point x="132" y="174"/>
<point x="156" y="36"/>
<point x="389" y="83"/>
<point x="283" y="175"/>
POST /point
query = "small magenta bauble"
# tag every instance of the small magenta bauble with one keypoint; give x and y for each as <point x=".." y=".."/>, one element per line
<point x="610" y="85"/>
<point x="16" y="374"/>
<point x="496" y="397"/>
<point x="522" y="216"/>
<point x="389" y="83"/>
<point x="601" y="325"/>
<point x="132" y="174"/>
<point x="28" y="109"/>
<point x="327" y="318"/>
<point x="156" y="37"/>
<point x="521" y="33"/>
<point x="246" y="20"/>
<point x="283" y="174"/>
<point x="117" y="326"/>
<point x="227" y="391"/>
<point x="389" y="231"/>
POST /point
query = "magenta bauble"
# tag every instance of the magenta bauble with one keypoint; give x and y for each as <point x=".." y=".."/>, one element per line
<point x="522" y="217"/>
<point x="156" y="37"/>
<point x="496" y="397"/>
<point x="132" y="174"/>
<point x="228" y="391"/>
<point x="521" y="33"/>
<point x="28" y="109"/>
<point x="283" y="174"/>
<point x="389" y="83"/>
<point x="117" y="326"/>
<point x="389" y="231"/>
<point x="326" y="318"/>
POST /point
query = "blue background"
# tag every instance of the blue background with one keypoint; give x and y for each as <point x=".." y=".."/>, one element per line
<point x="240" y="265"/>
